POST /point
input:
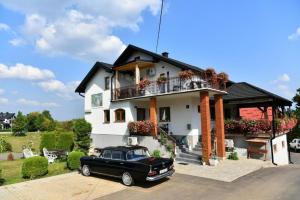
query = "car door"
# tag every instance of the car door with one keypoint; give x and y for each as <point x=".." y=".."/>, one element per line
<point x="102" y="162"/>
<point x="117" y="163"/>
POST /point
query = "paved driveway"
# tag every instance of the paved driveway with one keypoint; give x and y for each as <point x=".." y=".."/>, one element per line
<point x="72" y="186"/>
<point x="269" y="183"/>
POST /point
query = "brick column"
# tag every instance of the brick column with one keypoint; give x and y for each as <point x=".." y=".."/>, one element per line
<point x="220" y="132"/>
<point x="205" y="126"/>
<point x="153" y="115"/>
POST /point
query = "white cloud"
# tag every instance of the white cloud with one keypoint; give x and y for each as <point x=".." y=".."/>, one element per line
<point x="17" y="42"/>
<point x="28" y="102"/>
<point x="26" y="72"/>
<point x="80" y="29"/>
<point x="295" y="35"/>
<point x="4" y="27"/>
<point x="2" y="91"/>
<point x="282" y="85"/>
<point x="3" y="100"/>
<point x="61" y="89"/>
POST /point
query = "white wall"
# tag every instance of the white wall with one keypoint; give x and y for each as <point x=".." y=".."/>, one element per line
<point x="281" y="156"/>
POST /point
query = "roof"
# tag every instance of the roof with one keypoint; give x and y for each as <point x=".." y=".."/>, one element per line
<point x="244" y="90"/>
<point x="124" y="148"/>
<point x="91" y="73"/>
<point x="131" y="48"/>
<point x="6" y="115"/>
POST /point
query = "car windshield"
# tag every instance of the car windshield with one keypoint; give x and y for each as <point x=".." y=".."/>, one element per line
<point x="137" y="154"/>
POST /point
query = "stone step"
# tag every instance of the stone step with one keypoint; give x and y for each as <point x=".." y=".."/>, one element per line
<point x="187" y="160"/>
<point x="187" y="155"/>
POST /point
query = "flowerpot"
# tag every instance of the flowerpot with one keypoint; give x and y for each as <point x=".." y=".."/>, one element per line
<point x="213" y="162"/>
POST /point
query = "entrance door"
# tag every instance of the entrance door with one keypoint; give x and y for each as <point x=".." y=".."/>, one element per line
<point x="141" y="114"/>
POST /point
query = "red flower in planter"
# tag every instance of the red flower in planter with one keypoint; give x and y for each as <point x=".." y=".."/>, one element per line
<point x="186" y="74"/>
<point x="140" y="127"/>
<point x="143" y="84"/>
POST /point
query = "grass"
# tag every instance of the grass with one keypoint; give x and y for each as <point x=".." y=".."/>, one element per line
<point x="11" y="170"/>
<point x="18" y="142"/>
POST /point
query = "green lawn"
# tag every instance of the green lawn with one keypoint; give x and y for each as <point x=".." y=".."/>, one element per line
<point x="18" y="142"/>
<point x="11" y="170"/>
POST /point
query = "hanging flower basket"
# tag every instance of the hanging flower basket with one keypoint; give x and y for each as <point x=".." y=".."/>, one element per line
<point x="161" y="80"/>
<point x="186" y="74"/>
<point x="143" y="84"/>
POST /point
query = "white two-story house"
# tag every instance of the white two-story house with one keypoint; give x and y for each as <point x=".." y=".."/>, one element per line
<point x="181" y="106"/>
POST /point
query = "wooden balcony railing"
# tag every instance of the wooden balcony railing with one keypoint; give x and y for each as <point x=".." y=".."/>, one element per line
<point x="174" y="84"/>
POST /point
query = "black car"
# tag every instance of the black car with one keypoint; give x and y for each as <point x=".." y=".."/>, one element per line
<point x="130" y="163"/>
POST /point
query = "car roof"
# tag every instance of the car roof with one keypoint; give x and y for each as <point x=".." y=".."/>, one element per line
<point x="124" y="148"/>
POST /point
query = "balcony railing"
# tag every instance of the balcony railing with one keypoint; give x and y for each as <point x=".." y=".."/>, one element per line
<point x="172" y="85"/>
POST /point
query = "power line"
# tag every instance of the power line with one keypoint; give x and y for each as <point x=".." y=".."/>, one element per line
<point x="159" y="24"/>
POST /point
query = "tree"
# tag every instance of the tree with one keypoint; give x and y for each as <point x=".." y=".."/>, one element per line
<point x="48" y="123"/>
<point x="32" y="119"/>
<point x="296" y="99"/>
<point x="20" y="125"/>
<point x="82" y="132"/>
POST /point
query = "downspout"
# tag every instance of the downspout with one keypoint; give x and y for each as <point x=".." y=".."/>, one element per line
<point x="274" y="132"/>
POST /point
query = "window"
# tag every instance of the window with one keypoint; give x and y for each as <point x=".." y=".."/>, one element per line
<point x="283" y="144"/>
<point x="107" y="82"/>
<point x="137" y="154"/>
<point x="187" y="106"/>
<point x="97" y="100"/>
<point x="106" y="116"/>
<point x="117" y="155"/>
<point x="120" y="115"/>
<point x="141" y="114"/>
<point x="164" y="114"/>
<point x="275" y="148"/>
<point x="107" y="154"/>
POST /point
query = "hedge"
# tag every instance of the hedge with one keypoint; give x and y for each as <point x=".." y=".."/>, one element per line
<point x="4" y="146"/>
<point x="73" y="161"/>
<point x="34" y="167"/>
<point x="1" y="179"/>
<point x="48" y="141"/>
<point x="65" y="141"/>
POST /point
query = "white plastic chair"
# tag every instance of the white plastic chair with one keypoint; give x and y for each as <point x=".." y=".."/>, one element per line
<point x="51" y="157"/>
<point x="28" y="153"/>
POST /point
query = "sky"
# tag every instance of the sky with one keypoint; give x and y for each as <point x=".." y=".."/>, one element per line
<point x="47" y="47"/>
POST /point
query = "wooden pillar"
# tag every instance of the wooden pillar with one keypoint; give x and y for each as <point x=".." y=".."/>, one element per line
<point x="153" y="115"/>
<point x="117" y="83"/>
<point x="137" y="74"/>
<point x="220" y="132"/>
<point x="205" y="126"/>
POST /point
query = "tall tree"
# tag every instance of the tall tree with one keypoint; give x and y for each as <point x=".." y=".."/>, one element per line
<point x="20" y="125"/>
<point x="82" y="132"/>
<point x="296" y="99"/>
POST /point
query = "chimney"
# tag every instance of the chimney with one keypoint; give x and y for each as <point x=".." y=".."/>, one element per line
<point x="165" y="54"/>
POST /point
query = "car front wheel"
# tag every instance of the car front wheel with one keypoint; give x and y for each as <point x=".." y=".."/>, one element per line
<point x="85" y="170"/>
<point x="127" y="179"/>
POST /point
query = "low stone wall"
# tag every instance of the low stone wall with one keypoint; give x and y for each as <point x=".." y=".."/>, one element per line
<point x="3" y="156"/>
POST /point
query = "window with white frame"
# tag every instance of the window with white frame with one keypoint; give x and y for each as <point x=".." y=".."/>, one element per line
<point x="97" y="100"/>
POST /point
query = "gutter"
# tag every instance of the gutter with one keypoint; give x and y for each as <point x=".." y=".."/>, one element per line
<point x="81" y="95"/>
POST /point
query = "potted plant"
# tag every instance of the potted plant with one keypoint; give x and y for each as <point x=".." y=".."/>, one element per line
<point x="222" y="79"/>
<point x="211" y="76"/>
<point x="161" y="80"/>
<point x="142" y="85"/>
<point x="213" y="161"/>
<point x="186" y="74"/>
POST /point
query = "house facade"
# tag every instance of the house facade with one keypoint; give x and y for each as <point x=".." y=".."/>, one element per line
<point x="179" y="99"/>
<point x="181" y="107"/>
<point x="6" y="120"/>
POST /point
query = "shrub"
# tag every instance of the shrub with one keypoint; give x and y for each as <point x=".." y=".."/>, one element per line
<point x="4" y="146"/>
<point x="1" y="179"/>
<point x="10" y="157"/>
<point x="82" y="131"/>
<point x="156" y="153"/>
<point x="65" y="141"/>
<point x="233" y="156"/>
<point x="170" y="147"/>
<point x="48" y="141"/>
<point x="140" y="127"/>
<point x="34" y="167"/>
<point x="73" y="161"/>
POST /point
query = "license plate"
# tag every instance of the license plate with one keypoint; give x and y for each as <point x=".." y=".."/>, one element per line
<point x="163" y="171"/>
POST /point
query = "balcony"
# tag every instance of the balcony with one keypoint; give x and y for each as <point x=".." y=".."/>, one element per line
<point x="172" y="85"/>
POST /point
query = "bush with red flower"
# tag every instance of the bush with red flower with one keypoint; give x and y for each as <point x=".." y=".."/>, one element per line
<point x="140" y="127"/>
<point x="143" y="84"/>
<point x="186" y="74"/>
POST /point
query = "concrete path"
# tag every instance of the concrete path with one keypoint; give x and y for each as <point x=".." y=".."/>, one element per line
<point x="72" y="186"/>
<point x="226" y="170"/>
